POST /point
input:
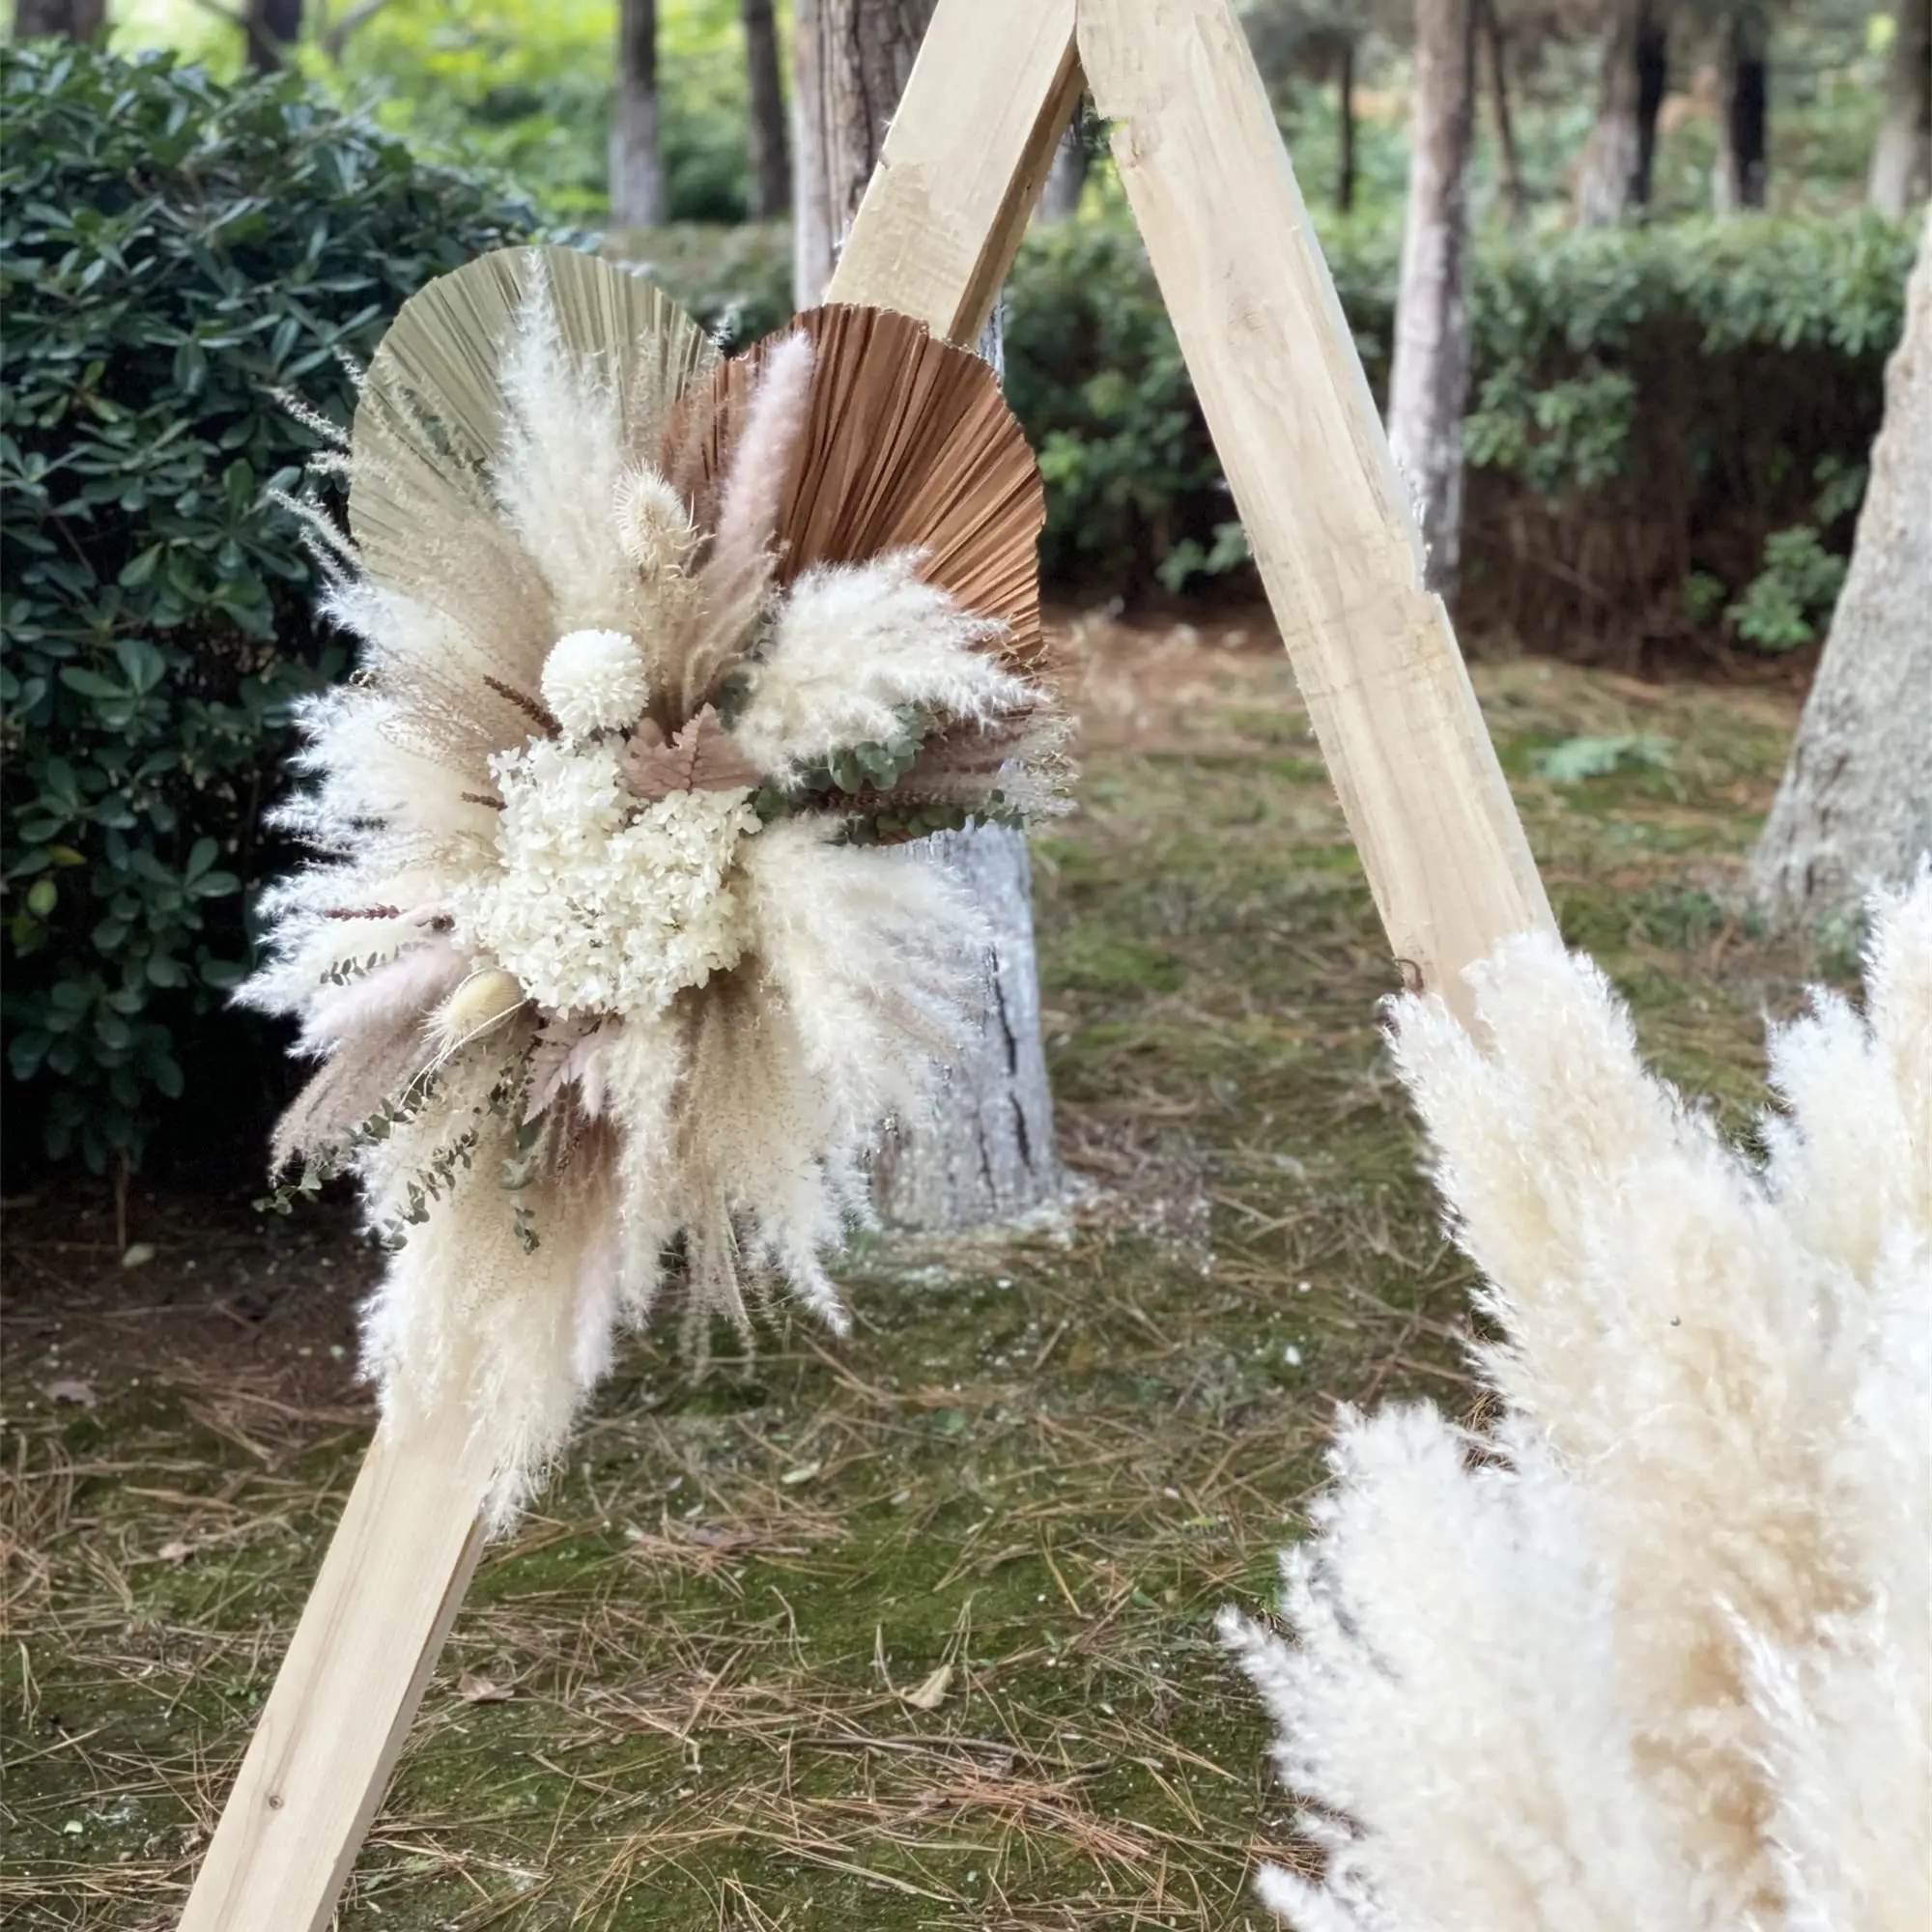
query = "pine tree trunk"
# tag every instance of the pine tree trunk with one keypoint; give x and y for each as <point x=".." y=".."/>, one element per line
<point x="986" y="1154"/>
<point x="1901" y="164"/>
<point x="1608" y="177"/>
<point x="1743" y="77"/>
<point x="637" y="167"/>
<point x="811" y="225"/>
<point x="1856" y="805"/>
<point x="1345" y="116"/>
<point x="1509" y="165"/>
<point x="62" y="20"/>
<point x="1653" y="78"/>
<point x="770" y="146"/>
<point x="1429" y="379"/>
<point x="1067" y="179"/>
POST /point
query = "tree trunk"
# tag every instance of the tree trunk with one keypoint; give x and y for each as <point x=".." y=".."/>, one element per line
<point x="1345" y="119"/>
<point x="1611" y="167"/>
<point x="1429" y="379"/>
<point x="1067" y="179"/>
<point x="810" y="180"/>
<point x="1901" y="164"/>
<point x="1738" y="180"/>
<point x="636" y="166"/>
<point x="63" y="20"/>
<point x="1509" y="165"/>
<point x="1652" y="77"/>
<point x="850" y="63"/>
<point x="1855" y="809"/>
<point x="986" y="1154"/>
<point x="770" y="146"/>
<point x="273" y="28"/>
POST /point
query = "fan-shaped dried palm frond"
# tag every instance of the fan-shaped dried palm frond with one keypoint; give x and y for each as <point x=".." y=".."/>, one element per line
<point x="648" y="646"/>
<point x="907" y="444"/>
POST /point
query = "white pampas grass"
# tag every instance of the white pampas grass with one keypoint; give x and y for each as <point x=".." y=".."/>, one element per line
<point x="1663" y="1655"/>
<point x="855" y="647"/>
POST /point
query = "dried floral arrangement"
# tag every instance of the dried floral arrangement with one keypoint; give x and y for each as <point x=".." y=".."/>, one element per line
<point x="1654" y="1647"/>
<point x="613" y="955"/>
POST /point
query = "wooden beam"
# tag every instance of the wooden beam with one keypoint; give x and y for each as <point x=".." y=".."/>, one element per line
<point x="336" y="1720"/>
<point x="991" y="92"/>
<point x="1300" y="440"/>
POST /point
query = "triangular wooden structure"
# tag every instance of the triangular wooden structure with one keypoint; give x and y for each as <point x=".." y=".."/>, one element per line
<point x="1286" y="399"/>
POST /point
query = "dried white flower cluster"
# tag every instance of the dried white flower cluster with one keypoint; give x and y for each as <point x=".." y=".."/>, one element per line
<point x="1661" y="1655"/>
<point x="599" y="905"/>
<point x="614" y="972"/>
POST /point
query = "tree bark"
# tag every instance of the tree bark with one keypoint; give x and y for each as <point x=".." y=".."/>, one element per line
<point x="273" y="28"/>
<point x="1509" y="165"/>
<point x="850" y="63"/>
<point x="1653" y="78"/>
<point x="1738" y="180"/>
<point x="1901" y="163"/>
<point x="1611" y="167"/>
<point x="1429" y="379"/>
<point x="59" y="19"/>
<point x="985" y="1155"/>
<point x="1345" y="119"/>
<point x="1855" y="809"/>
<point x="811" y="181"/>
<point x="770" y="146"/>
<point x="636" y="166"/>
<point x="1067" y="179"/>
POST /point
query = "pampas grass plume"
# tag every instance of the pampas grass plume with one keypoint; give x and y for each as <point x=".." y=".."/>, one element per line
<point x="1661" y="1655"/>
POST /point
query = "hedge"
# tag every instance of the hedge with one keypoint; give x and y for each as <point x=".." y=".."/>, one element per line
<point x="172" y="253"/>
<point x="1655" y="412"/>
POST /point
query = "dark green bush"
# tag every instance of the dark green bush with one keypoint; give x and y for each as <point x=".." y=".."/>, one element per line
<point x="172" y="252"/>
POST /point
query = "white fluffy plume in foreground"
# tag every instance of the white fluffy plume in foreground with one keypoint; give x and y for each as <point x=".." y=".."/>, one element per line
<point x="1656" y="1650"/>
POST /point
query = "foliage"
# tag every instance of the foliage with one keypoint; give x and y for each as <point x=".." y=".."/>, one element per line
<point x="172" y="252"/>
<point x="524" y="86"/>
<point x="1787" y="600"/>
<point x="1725" y="374"/>
<point x="1575" y="759"/>
<point x="736" y="281"/>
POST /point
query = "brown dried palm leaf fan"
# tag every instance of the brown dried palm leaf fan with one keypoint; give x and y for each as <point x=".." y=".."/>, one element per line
<point x="612" y="972"/>
<point x="907" y="442"/>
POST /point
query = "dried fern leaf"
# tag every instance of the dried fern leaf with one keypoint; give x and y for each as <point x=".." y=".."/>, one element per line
<point x="702" y="757"/>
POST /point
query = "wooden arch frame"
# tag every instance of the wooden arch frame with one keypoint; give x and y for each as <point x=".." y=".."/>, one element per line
<point x="1284" y="395"/>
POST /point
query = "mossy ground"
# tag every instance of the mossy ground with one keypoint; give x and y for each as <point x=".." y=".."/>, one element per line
<point x="680" y="1697"/>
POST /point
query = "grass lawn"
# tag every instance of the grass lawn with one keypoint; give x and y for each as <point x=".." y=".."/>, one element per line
<point x="912" y="1631"/>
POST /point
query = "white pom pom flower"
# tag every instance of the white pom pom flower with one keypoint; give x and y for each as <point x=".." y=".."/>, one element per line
<point x="596" y="681"/>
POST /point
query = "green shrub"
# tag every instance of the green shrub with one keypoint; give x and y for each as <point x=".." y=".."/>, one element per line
<point x="1650" y="406"/>
<point x="735" y="280"/>
<point x="172" y="252"/>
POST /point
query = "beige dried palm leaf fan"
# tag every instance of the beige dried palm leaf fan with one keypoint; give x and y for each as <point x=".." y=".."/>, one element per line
<point x="611" y="963"/>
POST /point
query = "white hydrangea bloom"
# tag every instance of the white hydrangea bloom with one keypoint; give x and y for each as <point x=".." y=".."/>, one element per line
<point x="599" y="907"/>
<point x="596" y="681"/>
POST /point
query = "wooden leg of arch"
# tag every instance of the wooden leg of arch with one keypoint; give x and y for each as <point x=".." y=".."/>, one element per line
<point x="340" y="1710"/>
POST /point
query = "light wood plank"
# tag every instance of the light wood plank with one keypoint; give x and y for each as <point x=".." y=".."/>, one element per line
<point x="1288" y="406"/>
<point x="993" y="88"/>
<point x="330" y="1734"/>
